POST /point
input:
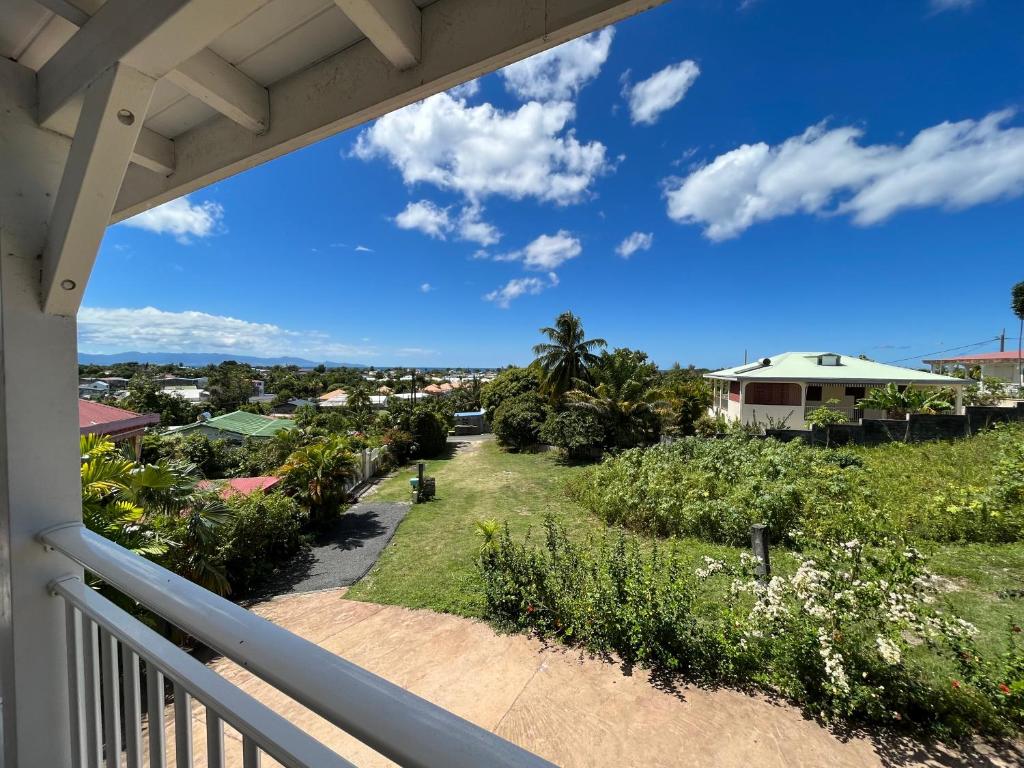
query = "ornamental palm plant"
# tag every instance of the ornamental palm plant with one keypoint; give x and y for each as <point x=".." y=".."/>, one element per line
<point x="909" y="400"/>
<point x="319" y="475"/>
<point x="568" y="356"/>
<point x="624" y="397"/>
<point x="1017" y="304"/>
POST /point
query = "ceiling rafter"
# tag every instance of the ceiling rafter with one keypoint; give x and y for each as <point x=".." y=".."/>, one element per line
<point x="393" y="26"/>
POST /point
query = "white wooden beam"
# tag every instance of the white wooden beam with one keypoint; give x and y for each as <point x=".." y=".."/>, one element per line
<point x="462" y="40"/>
<point x="393" y="26"/>
<point x="115" y="106"/>
<point x="152" y="37"/>
<point x="213" y="81"/>
<point x="206" y="75"/>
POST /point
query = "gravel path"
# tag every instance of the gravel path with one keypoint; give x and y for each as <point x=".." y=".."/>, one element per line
<point x="342" y="555"/>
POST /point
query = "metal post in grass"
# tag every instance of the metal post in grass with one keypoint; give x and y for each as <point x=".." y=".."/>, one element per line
<point x="759" y="543"/>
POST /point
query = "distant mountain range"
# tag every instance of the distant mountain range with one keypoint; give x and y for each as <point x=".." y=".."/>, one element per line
<point x="199" y="359"/>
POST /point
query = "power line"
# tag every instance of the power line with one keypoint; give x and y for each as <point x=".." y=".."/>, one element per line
<point x="943" y="351"/>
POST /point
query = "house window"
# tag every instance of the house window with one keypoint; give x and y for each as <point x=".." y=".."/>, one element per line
<point x="814" y="393"/>
<point x="734" y="391"/>
<point x="857" y="392"/>
<point x="770" y="393"/>
<point x="828" y="360"/>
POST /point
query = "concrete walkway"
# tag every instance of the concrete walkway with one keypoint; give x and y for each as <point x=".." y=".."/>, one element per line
<point x="572" y="710"/>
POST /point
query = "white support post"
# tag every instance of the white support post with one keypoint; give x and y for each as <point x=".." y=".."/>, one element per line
<point x="115" y="106"/>
<point x="39" y="462"/>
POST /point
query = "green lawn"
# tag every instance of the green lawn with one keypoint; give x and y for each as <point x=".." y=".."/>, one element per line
<point x="430" y="563"/>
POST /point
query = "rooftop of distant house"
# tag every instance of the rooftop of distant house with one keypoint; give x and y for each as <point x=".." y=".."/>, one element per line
<point x="978" y="357"/>
<point x="240" y="485"/>
<point x="828" y="366"/>
<point x="96" y="418"/>
<point x="240" y="423"/>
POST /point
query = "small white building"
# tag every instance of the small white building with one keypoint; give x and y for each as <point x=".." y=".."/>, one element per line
<point x="784" y="388"/>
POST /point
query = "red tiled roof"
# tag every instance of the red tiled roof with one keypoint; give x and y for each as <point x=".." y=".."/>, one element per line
<point x="108" y="420"/>
<point x="242" y="485"/>
<point x="1010" y="355"/>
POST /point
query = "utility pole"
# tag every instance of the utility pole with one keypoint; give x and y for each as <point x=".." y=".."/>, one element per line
<point x="1002" y="341"/>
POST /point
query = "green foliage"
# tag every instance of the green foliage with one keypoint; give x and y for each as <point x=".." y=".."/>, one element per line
<point x="852" y="635"/>
<point x="825" y="416"/>
<point x="156" y="510"/>
<point x="991" y="392"/>
<point x="144" y="397"/>
<point x="899" y="402"/>
<point x="265" y="532"/>
<point x="577" y="432"/>
<point x="319" y="475"/>
<point x="684" y="401"/>
<point x="429" y="431"/>
<point x="717" y="489"/>
<point x="623" y="396"/>
<point x="568" y="355"/>
<point x="1017" y="300"/>
<point x="508" y="384"/>
<point x="400" y="445"/>
<point x="517" y="421"/>
<point x="230" y="386"/>
<point x="213" y="458"/>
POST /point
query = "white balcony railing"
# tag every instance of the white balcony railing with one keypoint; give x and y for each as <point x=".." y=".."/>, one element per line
<point x="108" y="648"/>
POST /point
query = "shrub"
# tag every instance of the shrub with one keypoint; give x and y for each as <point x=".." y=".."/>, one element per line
<point x="508" y="384"/>
<point x="399" y="444"/>
<point x="517" y="421"/>
<point x="265" y="533"/>
<point x="319" y="476"/>
<point x="577" y="432"/>
<point x="717" y="489"/>
<point x="430" y="432"/>
<point x="851" y="635"/>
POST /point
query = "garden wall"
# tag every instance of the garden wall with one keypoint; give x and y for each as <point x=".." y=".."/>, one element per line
<point x="918" y="427"/>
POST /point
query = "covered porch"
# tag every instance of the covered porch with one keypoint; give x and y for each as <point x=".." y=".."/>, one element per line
<point x="108" y="109"/>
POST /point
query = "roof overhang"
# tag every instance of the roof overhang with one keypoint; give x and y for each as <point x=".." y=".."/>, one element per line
<point x="155" y="100"/>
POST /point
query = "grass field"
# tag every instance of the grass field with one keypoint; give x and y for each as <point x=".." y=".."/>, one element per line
<point x="431" y="562"/>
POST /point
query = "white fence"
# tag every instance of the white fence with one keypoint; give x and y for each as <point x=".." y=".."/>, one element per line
<point x="370" y="464"/>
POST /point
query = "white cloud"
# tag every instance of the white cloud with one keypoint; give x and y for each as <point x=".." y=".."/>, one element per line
<point x="638" y="241"/>
<point x="520" y="286"/>
<point x="482" y="150"/>
<point x="147" y="329"/>
<point x="822" y="171"/>
<point x="466" y="90"/>
<point x="428" y="218"/>
<point x="426" y="288"/>
<point x="938" y="6"/>
<point x="181" y="218"/>
<point x="473" y="228"/>
<point x="559" y="73"/>
<point x="547" y="252"/>
<point x="363" y="249"/>
<point x="431" y="219"/>
<point x="660" y="92"/>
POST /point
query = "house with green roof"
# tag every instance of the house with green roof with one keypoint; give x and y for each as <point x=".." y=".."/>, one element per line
<point x="789" y="386"/>
<point x="236" y="426"/>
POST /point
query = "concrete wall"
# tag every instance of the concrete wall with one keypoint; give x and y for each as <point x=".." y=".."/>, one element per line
<point x="917" y="428"/>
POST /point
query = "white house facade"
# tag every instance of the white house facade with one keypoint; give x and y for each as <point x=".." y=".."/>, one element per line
<point x="780" y="391"/>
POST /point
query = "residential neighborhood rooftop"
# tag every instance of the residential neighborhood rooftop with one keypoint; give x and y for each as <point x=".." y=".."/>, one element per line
<point x="240" y="423"/>
<point x="107" y="420"/>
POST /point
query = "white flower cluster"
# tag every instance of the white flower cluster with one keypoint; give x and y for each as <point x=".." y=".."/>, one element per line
<point x="888" y="650"/>
<point x="833" y="663"/>
<point x="711" y="567"/>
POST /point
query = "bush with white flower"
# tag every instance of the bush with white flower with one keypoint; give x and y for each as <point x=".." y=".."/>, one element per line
<point x="851" y="632"/>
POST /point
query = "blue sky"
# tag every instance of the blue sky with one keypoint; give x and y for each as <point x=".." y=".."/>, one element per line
<point x="787" y="175"/>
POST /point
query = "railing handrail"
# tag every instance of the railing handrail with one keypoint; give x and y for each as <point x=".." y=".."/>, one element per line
<point x="276" y="736"/>
<point x="398" y="724"/>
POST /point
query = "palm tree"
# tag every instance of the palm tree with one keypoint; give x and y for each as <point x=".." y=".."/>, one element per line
<point x="568" y="356"/>
<point x="319" y="475"/>
<point x="1017" y="304"/>
<point x="627" y="410"/>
